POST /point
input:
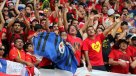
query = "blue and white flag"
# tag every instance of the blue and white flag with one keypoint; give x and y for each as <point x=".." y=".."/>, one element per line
<point x="53" y="47"/>
<point x="12" y="68"/>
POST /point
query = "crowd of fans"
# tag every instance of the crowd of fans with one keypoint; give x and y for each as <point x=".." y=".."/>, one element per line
<point x="101" y="32"/>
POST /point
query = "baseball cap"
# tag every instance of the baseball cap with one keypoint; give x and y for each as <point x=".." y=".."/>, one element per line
<point x="133" y="38"/>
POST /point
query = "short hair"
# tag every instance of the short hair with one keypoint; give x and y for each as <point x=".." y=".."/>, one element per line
<point x="26" y="45"/>
<point x="73" y="20"/>
<point x="37" y="26"/>
<point x="18" y="39"/>
<point x="124" y="23"/>
<point x="124" y="9"/>
<point x="17" y="22"/>
<point x="74" y="26"/>
<point x="94" y="11"/>
<point x="122" y="41"/>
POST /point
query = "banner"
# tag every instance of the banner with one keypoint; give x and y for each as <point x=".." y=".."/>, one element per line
<point x="80" y="72"/>
<point x="12" y="68"/>
<point x="52" y="46"/>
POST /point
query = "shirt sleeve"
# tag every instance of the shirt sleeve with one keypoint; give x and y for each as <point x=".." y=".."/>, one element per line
<point x="111" y="55"/>
<point x="13" y="54"/>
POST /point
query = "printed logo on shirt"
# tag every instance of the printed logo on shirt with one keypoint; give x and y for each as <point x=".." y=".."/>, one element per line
<point x="96" y="46"/>
<point x="105" y="43"/>
<point x="76" y="45"/>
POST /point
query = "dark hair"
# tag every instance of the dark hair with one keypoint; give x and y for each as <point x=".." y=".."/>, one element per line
<point x="26" y="45"/>
<point x="17" y="22"/>
<point x="70" y="26"/>
<point x="29" y="7"/>
<point x="37" y="26"/>
<point x="18" y="39"/>
<point x="122" y="41"/>
<point x="124" y="23"/>
<point x="43" y="20"/>
<point x="124" y="9"/>
<point x="128" y="36"/>
<point x="133" y="38"/>
<point x="73" y="20"/>
<point x="89" y="27"/>
<point x="94" y="11"/>
<point x="116" y="35"/>
<point x="117" y="44"/>
<point x="100" y="28"/>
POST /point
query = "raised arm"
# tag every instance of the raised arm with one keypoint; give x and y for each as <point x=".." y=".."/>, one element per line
<point x="2" y="21"/>
<point x="13" y="19"/>
<point x="60" y="18"/>
<point x="113" y="33"/>
<point x="36" y="12"/>
<point x="2" y="5"/>
<point x="65" y="18"/>
<point x="106" y="31"/>
<point x="116" y="7"/>
<point x="16" y="7"/>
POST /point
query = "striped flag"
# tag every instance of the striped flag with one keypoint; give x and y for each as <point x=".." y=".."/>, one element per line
<point x="52" y="46"/>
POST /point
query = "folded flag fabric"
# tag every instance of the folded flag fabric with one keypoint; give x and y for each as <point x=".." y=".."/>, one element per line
<point x="53" y="47"/>
<point x="9" y="68"/>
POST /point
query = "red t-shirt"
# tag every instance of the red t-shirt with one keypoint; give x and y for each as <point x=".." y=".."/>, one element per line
<point x="118" y="55"/>
<point x="31" y="32"/>
<point x="132" y="53"/>
<point x="30" y="58"/>
<point x="94" y="48"/>
<point x="14" y="53"/>
<point x="76" y="43"/>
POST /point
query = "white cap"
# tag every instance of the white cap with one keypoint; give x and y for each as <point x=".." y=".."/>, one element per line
<point x="110" y="12"/>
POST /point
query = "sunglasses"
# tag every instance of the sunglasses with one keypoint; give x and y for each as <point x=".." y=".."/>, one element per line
<point x="2" y="49"/>
<point x="5" y="10"/>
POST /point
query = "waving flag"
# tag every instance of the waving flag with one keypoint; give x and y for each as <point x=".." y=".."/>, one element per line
<point x="54" y="48"/>
<point x="10" y="68"/>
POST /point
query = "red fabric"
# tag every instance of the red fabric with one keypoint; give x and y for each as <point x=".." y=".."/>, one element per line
<point x="97" y="6"/>
<point x="63" y="1"/>
<point x="30" y="58"/>
<point x="2" y="74"/>
<point x="52" y="19"/>
<point x="45" y="62"/>
<point x="30" y="70"/>
<point x="76" y="43"/>
<point x="31" y="32"/>
<point x="11" y="37"/>
<point x="132" y="53"/>
<point x="14" y="54"/>
<point x="94" y="48"/>
<point x="116" y="55"/>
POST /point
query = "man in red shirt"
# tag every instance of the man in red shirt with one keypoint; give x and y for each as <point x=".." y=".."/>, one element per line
<point x="17" y="53"/>
<point x="75" y="41"/>
<point x="119" y="59"/>
<point x="92" y="47"/>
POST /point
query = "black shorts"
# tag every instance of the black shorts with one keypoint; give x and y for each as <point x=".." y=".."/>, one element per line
<point x="101" y="67"/>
